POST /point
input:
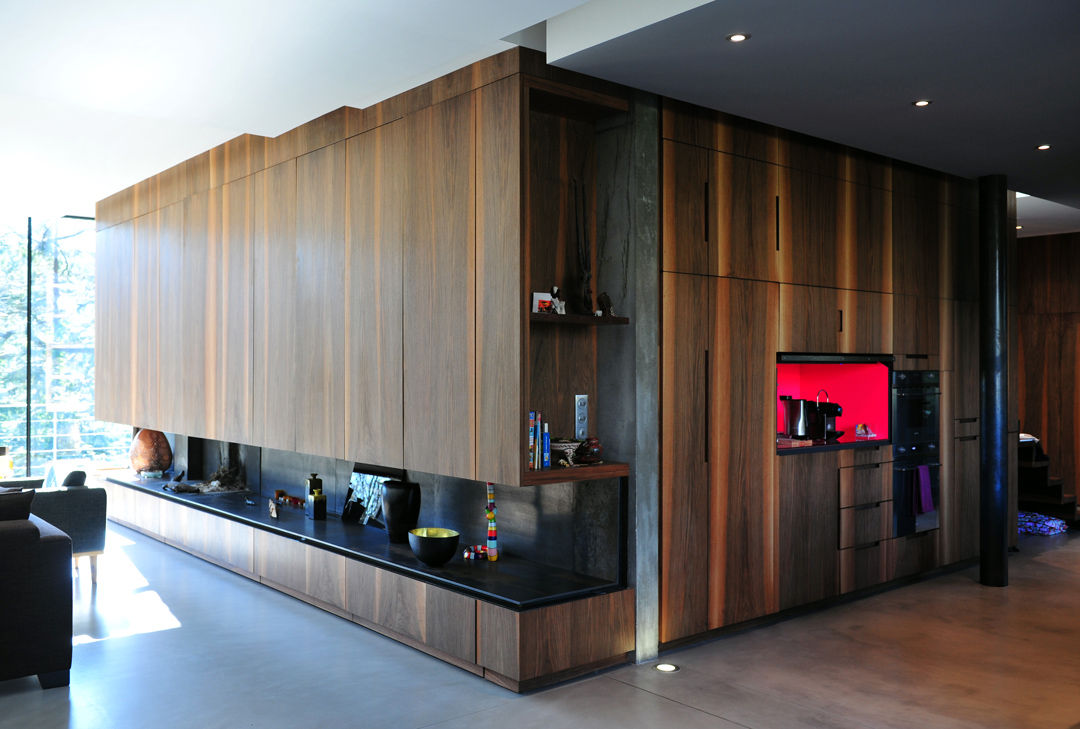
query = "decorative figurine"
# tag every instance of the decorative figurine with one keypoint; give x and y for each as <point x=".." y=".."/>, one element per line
<point x="492" y="536"/>
<point x="590" y="452"/>
<point x="273" y="509"/>
<point x="557" y="303"/>
<point x="604" y="302"/>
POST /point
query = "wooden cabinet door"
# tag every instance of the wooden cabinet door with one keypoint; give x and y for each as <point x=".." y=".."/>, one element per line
<point x="743" y="213"/>
<point x="865" y="247"/>
<point x="319" y="340"/>
<point x="965" y="331"/>
<point x="373" y="374"/>
<point x="439" y="290"/>
<point x="915" y="242"/>
<point x="810" y="319"/>
<point x="916" y="332"/>
<point x="809" y="228"/>
<point x="274" y="397"/>
<point x="808" y="528"/>
<point x="199" y="272"/>
<point x="741" y="461"/>
<point x="113" y="372"/>
<point x="685" y="500"/>
<point x="144" y="317"/>
<point x="960" y="527"/>
<point x="817" y="319"/>
<point x="233" y="318"/>
<point x="170" y="345"/>
<point x="686" y="210"/>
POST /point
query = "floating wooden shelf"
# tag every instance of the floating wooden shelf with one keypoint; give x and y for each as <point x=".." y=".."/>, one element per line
<point x="557" y="474"/>
<point x="577" y="319"/>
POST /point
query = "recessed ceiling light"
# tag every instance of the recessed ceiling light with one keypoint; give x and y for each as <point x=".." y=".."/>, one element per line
<point x="921" y="103"/>
<point x="738" y="37"/>
<point x="1019" y="227"/>
<point x="1043" y="147"/>
<point x="1021" y="194"/>
<point x="667" y="667"/>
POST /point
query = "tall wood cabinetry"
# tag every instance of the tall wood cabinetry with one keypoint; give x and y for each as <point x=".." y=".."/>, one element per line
<point x="719" y="505"/>
<point x="359" y="288"/>
<point x="821" y="249"/>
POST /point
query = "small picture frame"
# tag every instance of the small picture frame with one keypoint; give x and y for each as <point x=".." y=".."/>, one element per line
<point x="542" y="304"/>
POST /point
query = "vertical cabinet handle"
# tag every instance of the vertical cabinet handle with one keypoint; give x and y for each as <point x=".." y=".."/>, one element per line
<point x="777" y="222"/>
<point x="706" y="208"/>
<point x="840" y="312"/>
<point x="708" y="406"/>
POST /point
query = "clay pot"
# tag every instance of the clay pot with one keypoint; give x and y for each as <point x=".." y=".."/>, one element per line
<point x="150" y="451"/>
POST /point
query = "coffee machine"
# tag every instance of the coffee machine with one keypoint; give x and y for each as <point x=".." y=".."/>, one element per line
<point x="811" y="420"/>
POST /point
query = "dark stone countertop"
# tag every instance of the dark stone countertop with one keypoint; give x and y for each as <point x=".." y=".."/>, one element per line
<point x="512" y="581"/>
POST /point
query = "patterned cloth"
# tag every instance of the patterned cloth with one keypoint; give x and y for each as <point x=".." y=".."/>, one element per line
<point x="1031" y="523"/>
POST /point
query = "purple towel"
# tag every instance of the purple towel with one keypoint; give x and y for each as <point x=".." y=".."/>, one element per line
<point x="924" y="500"/>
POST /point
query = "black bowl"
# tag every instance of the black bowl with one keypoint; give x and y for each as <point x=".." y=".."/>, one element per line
<point x="433" y="546"/>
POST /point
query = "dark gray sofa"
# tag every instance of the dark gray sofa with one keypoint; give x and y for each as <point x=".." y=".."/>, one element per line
<point x="35" y="600"/>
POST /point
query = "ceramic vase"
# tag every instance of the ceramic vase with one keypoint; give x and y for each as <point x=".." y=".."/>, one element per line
<point x="150" y="451"/>
<point x="401" y="509"/>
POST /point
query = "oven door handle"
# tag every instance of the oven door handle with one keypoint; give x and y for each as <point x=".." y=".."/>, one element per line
<point x="912" y="468"/>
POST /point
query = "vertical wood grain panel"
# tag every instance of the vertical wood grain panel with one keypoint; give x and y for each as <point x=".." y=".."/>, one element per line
<point x="274" y="398"/>
<point x="810" y="220"/>
<point x="743" y="503"/>
<point x="233" y="317"/>
<point x="114" y="363"/>
<point x="808" y="528"/>
<point x="202" y="289"/>
<point x="373" y="292"/>
<point x="865" y="247"/>
<point x="500" y="309"/>
<point x="319" y="343"/>
<point x="439" y="290"/>
<point x="450" y="623"/>
<point x="684" y="209"/>
<point x="145" y="321"/>
<point x="743" y="217"/>
<point x="685" y="437"/>
<point x="498" y="641"/>
<point x="171" y="362"/>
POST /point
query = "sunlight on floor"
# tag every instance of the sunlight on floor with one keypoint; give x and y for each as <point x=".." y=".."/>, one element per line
<point x="121" y="604"/>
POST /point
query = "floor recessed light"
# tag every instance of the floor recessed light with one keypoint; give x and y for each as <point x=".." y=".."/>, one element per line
<point x="738" y="37"/>
<point x="667" y="667"/>
<point x="921" y="103"/>
<point x="1043" y="147"/>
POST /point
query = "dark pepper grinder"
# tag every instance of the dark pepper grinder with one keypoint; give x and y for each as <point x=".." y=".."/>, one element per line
<point x="315" y="506"/>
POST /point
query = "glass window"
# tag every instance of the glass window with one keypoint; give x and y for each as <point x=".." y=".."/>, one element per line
<point x="61" y="355"/>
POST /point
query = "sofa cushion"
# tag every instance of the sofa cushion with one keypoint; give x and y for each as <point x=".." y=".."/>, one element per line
<point x="15" y="504"/>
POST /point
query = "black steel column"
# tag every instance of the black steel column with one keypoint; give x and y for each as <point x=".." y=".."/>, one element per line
<point x="993" y="382"/>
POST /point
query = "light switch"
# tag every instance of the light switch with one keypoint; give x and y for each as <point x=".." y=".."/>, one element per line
<point x="581" y="417"/>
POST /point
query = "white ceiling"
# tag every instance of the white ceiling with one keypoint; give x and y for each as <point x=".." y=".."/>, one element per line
<point x="96" y="96"/>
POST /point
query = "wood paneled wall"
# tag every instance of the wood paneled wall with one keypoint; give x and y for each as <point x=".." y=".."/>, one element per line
<point x="777" y="242"/>
<point x="1049" y="340"/>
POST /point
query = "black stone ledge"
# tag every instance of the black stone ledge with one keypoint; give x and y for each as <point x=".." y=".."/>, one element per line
<point x="512" y="582"/>
<point x="841" y="445"/>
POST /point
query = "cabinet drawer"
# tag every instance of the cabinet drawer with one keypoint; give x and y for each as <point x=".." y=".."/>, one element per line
<point x="914" y="554"/>
<point x="865" y="524"/>
<point x="863" y="566"/>
<point x="965" y="427"/>
<point x="865" y="484"/>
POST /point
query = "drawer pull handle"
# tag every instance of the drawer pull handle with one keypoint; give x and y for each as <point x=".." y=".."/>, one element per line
<point x="968" y="437"/>
<point x="968" y="420"/>
<point x="867" y="467"/>
<point x="871" y="545"/>
<point x="917" y="356"/>
<point x="867" y="507"/>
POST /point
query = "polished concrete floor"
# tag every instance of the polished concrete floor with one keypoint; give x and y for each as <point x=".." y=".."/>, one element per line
<point x="166" y="640"/>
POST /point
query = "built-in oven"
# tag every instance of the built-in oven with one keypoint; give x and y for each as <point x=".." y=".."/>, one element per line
<point x="916" y="399"/>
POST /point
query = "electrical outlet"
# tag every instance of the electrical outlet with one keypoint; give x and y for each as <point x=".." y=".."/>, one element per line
<point x="581" y="417"/>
